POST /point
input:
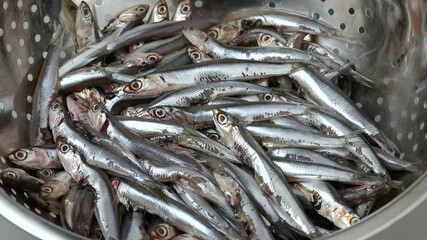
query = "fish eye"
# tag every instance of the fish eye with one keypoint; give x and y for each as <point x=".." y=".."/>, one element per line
<point x="98" y="234"/>
<point x="140" y="9"/>
<point x="222" y="119"/>
<point x="266" y="37"/>
<point x="162" y="231"/>
<point x="152" y="58"/>
<point x="354" y="220"/>
<point x="213" y="34"/>
<point x="64" y="148"/>
<point x="185" y="9"/>
<point x="21" y="155"/>
<point x="10" y="175"/>
<point x="56" y="106"/>
<point x="46" y="189"/>
<point x="214" y="136"/>
<point x="195" y="55"/>
<point x="96" y="107"/>
<point x="86" y="12"/>
<point x="47" y="173"/>
<point x="162" y="9"/>
<point x="222" y="174"/>
<point x="160" y="112"/>
<point x="268" y="97"/>
<point x="136" y="85"/>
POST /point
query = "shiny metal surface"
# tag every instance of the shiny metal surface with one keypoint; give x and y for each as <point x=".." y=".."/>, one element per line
<point x="395" y="29"/>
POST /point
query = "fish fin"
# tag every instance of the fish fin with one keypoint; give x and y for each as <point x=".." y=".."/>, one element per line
<point x="386" y="144"/>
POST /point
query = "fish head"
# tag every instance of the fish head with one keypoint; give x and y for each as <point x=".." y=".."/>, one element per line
<point x="97" y="115"/>
<point x="163" y="231"/>
<point x="148" y="85"/>
<point x="75" y="108"/>
<point x="85" y="13"/>
<point x="53" y="189"/>
<point x="343" y="218"/>
<point x="195" y="37"/>
<point x="228" y="186"/>
<point x="20" y="155"/>
<point x="225" y="32"/>
<point x="271" y="97"/>
<point x="45" y="173"/>
<point x="141" y="59"/>
<point x="14" y="174"/>
<point x="160" y="11"/>
<point x="224" y="124"/>
<point x="170" y="114"/>
<point x="197" y="55"/>
<point x="213" y="134"/>
<point x="69" y="156"/>
<point x="184" y="11"/>
<point x="134" y="13"/>
<point x="56" y="114"/>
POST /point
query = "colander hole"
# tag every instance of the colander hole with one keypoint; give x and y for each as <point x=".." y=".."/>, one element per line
<point x="29" y="117"/>
<point x="272" y="4"/>
<point x="316" y="16"/>
<point x="19" y="61"/>
<point x="351" y="11"/>
<point x="34" y="8"/>
<point x="404" y="114"/>
<point x="44" y="54"/>
<point x="425" y="137"/>
<point x="331" y="11"/>
<point x="369" y="12"/>
<point x="336" y="51"/>
<point x="405" y="51"/>
<point x="394" y="63"/>
<point x="30" y="77"/>
<point x="391" y="108"/>
<point x="5" y="5"/>
<point x="8" y="48"/>
<point x="2" y="106"/>
<point x="29" y="99"/>
<point x="414" y="148"/>
<point x="37" y="38"/>
<point x="380" y="101"/>
<point x="26" y="195"/>
<point x="25" y="25"/>
<point x="323" y="0"/>
<point x="361" y="30"/>
<point x="1" y="182"/>
<point x="359" y="105"/>
<point x="342" y="26"/>
<point x="417" y="41"/>
<point x="425" y="105"/>
<point x="410" y="135"/>
<point x="13" y="25"/>
<point x="46" y="19"/>
<point x="62" y="54"/>
<point x="99" y="2"/>
<point x="198" y="4"/>
<point x="422" y="125"/>
<point x="37" y="211"/>
<point x="377" y="118"/>
<point x="1" y="32"/>
<point x="386" y="81"/>
<point x="14" y="114"/>
<point x="26" y="206"/>
<point x="413" y="116"/>
<point x="13" y="197"/>
<point x="393" y="124"/>
<point x="402" y="155"/>
<point x="399" y="136"/>
<point x="30" y="60"/>
<point x="3" y="160"/>
<point x="21" y="42"/>
<point x="19" y="3"/>
<point x="13" y="191"/>
<point x="416" y="100"/>
<point x="52" y="214"/>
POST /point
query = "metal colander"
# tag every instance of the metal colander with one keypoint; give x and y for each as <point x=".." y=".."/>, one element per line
<point x="395" y="29"/>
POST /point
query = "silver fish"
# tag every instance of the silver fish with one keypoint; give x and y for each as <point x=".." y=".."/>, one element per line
<point x="105" y="210"/>
<point x="329" y="202"/>
<point x="86" y="32"/>
<point x="35" y="158"/>
<point x="57" y="186"/>
<point x="45" y="92"/>
<point x="198" y="56"/>
<point x="170" y="211"/>
<point x="16" y="177"/>
<point x="183" y="11"/>
<point x="267" y="174"/>
<point x="281" y="20"/>
<point x="160" y="12"/>
<point x="128" y="17"/>
<point x="268" y="40"/>
<point x="360" y="194"/>
<point x="133" y="226"/>
<point x="46" y="173"/>
<point x="225" y="32"/>
<point x="163" y="231"/>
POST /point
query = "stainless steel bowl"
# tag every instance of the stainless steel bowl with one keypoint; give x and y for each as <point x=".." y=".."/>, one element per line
<point x="395" y="29"/>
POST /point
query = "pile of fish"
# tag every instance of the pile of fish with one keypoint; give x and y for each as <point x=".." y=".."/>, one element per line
<point x="168" y="128"/>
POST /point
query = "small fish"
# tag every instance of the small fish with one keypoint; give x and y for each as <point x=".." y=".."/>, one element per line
<point x="36" y="158"/>
<point x="86" y="32"/>
<point x="160" y="12"/>
<point x="225" y="32"/>
<point x="133" y="226"/>
<point x="162" y="231"/>
<point x="128" y="17"/>
<point x="197" y="55"/>
<point x="16" y="177"/>
<point x="183" y="11"/>
<point x="46" y="174"/>
<point x="57" y="186"/>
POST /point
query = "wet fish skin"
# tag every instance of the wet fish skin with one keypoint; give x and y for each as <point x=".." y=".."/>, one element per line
<point x="46" y="173"/>
<point x="86" y="32"/>
<point x="169" y="210"/>
<point x="267" y="174"/>
<point x="160" y="12"/>
<point x="35" y="158"/>
<point x="183" y="11"/>
<point x="57" y="186"/>
<point x="21" y="179"/>
<point x="133" y="226"/>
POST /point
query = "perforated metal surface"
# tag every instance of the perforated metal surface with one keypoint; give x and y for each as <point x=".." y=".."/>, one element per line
<point x="395" y="29"/>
